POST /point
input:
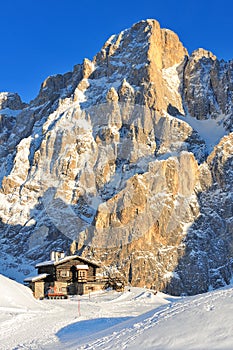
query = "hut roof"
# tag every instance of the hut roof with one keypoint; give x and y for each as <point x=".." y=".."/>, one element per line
<point x="65" y="259"/>
<point x="36" y="278"/>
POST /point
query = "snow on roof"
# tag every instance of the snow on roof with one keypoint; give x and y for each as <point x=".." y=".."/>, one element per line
<point x="36" y="278"/>
<point x="82" y="267"/>
<point x="91" y="262"/>
<point x="65" y="259"/>
<point x="46" y="263"/>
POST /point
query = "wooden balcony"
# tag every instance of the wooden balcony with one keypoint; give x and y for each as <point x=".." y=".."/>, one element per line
<point x="82" y="279"/>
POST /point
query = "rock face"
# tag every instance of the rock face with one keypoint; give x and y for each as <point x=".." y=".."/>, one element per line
<point x="126" y="159"/>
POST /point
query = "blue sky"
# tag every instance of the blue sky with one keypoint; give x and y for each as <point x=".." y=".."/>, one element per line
<point x="44" y="37"/>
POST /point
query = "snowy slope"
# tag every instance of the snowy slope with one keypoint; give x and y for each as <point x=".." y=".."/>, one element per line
<point x="201" y="322"/>
<point x="16" y="296"/>
<point x="204" y="322"/>
<point x="210" y="130"/>
<point x="134" y="319"/>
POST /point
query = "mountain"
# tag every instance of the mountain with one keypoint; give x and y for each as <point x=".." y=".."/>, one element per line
<point x="128" y="160"/>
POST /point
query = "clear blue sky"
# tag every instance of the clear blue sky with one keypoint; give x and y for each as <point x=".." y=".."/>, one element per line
<point x="44" y="37"/>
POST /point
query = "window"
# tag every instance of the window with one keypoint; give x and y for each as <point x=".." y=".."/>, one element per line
<point x="82" y="274"/>
<point x="64" y="273"/>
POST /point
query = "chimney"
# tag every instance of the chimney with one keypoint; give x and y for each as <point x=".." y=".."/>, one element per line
<point x="56" y="255"/>
<point x="62" y="255"/>
<point x="52" y="255"/>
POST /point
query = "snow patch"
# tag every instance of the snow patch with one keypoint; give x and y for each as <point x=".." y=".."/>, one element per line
<point x="10" y="112"/>
<point x="171" y="274"/>
<point x="172" y="78"/>
<point x="210" y="130"/>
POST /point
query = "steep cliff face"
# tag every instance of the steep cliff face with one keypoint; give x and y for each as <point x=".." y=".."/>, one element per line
<point x="127" y="159"/>
<point x="208" y="87"/>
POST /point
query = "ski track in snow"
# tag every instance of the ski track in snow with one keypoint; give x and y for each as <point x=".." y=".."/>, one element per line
<point x="124" y="338"/>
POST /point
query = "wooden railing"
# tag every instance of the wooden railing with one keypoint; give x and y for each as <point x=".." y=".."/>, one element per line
<point x="82" y="279"/>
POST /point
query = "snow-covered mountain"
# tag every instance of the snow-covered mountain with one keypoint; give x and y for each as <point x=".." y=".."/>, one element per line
<point x="127" y="159"/>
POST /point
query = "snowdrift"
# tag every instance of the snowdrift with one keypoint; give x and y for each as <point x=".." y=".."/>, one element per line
<point x="14" y="295"/>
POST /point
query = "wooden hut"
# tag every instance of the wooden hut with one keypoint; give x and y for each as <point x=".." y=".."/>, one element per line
<point x="65" y="275"/>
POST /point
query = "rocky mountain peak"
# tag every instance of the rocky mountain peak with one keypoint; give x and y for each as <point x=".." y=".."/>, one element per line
<point x="202" y="53"/>
<point x="144" y="43"/>
<point x="128" y="159"/>
<point x="11" y="101"/>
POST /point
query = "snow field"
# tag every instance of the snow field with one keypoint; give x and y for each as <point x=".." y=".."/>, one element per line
<point x="135" y="319"/>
